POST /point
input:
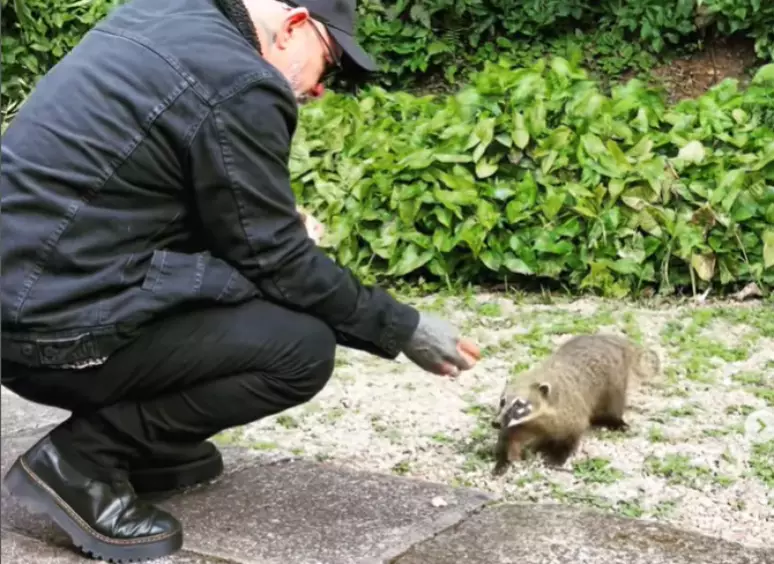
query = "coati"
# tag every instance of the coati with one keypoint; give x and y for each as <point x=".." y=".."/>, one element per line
<point x="584" y="383"/>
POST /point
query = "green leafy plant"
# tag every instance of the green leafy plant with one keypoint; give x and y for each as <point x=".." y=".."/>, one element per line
<point x="414" y="38"/>
<point x="35" y="35"/>
<point x="533" y="173"/>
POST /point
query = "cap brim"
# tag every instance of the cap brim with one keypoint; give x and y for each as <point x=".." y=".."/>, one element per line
<point x="356" y="58"/>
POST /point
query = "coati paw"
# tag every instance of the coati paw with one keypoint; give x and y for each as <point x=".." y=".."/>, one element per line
<point x="500" y="468"/>
<point x="611" y="423"/>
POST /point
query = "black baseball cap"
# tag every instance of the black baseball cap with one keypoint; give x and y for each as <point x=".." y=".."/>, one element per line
<point x="338" y="16"/>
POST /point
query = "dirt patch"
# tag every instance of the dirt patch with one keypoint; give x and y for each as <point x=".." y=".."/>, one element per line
<point x="692" y="75"/>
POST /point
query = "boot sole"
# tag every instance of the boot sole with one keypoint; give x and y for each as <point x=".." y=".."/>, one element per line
<point x="22" y="483"/>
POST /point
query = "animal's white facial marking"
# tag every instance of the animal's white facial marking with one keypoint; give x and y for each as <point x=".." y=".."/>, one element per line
<point x="518" y="410"/>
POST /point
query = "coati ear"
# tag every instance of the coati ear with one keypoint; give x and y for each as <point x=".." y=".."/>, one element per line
<point x="544" y="388"/>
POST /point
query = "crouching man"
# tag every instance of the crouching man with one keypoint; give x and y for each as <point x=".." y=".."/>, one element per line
<point x="157" y="279"/>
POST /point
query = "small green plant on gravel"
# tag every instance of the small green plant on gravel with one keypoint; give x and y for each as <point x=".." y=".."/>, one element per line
<point x="478" y="447"/>
<point x="442" y="438"/>
<point x="664" y="509"/>
<point x="232" y="436"/>
<point x="264" y="445"/>
<point x="685" y="410"/>
<point x="401" y="468"/>
<point x="761" y="462"/>
<point x="743" y="410"/>
<point x="677" y="469"/>
<point x="717" y="432"/>
<point x="757" y="384"/>
<point x="656" y="435"/>
<point x="287" y="421"/>
<point x="610" y="436"/>
<point x="596" y="471"/>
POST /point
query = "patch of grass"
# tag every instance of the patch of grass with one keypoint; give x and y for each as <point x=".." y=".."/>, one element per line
<point x="533" y="477"/>
<point x="717" y="432"/>
<point x="596" y="471"/>
<point x="663" y="509"/>
<point x="401" y="468"/>
<point x="229" y="437"/>
<point x="757" y="384"/>
<point x="264" y="445"/>
<point x="519" y="367"/>
<point x="766" y="394"/>
<point x="631" y="327"/>
<point x="287" y="421"/>
<point x="610" y="436"/>
<point x="749" y="378"/>
<point x="442" y="438"/>
<point x="686" y="410"/>
<point x="572" y="324"/>
<point x="334" y="414"/>
<point x="584" y="498"/>
<point x="629" y="508"/>
<point x="758" y="317"/>
<point x="743" y="410"/>
<point x="478" y="447"/>
<point x="677" y="469"/>
<point x="694" y="351"/>
<point x="489" y="309"/>
<point x="762" y="462"/>
<point x="656" y="435"/>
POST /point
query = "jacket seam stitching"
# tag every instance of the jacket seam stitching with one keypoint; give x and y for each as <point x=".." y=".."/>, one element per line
<point x="173" y="62"/>
<point x="50" y="243"/>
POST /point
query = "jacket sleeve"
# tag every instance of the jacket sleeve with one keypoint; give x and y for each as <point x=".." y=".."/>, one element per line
<point x="238" y="162"/>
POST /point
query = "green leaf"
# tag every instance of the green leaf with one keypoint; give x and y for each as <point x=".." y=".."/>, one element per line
<point x="520" y="134"/>
<point x="492" y="260"/>
<point x="704" y="265"/>
<point x="692" y="152"/>
<point x="516" y="265"/>
<point x="410" y="259"/>
<point x="768" y="248"/>
<point x="486" y="168"/>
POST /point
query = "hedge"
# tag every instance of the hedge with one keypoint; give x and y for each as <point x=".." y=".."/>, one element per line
<point x="412" y="39"/>
<point x="533" y="174"/>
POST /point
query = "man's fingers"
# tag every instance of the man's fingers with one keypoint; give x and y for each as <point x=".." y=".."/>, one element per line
<point x="448" y="369"/>
<point x="469" y="352"/>
<point x="470" y="348"/>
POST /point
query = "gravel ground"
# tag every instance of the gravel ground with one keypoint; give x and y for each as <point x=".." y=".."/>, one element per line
<point x="686" y="459"/>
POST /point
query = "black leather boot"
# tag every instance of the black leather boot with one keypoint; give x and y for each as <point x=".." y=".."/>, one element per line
<point x="161" y="476"/>
<point x="103" y="518"/>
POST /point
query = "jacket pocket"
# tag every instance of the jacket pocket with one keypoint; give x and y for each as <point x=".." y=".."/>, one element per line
<point x="176" y="277"/>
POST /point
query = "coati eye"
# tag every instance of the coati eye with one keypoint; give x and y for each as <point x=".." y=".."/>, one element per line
<point x="502" y="402"/>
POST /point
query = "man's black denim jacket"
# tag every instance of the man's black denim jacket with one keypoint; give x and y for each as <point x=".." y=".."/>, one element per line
<point x="147" y="173"/>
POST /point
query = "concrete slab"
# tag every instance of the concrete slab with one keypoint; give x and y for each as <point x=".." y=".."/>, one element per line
<point x="554" y="534"/>
<point x="21" y="417"/>
<point x="302" y="512"/>
<point x="287" y="512"/>
<point x="19" y="549"/>
<point x="32" y="532"/>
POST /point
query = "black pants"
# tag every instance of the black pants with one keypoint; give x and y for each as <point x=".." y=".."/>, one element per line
<point x="186" y="378"/>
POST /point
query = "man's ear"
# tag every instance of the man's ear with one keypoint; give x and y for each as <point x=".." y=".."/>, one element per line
<point x="293" y="19"/>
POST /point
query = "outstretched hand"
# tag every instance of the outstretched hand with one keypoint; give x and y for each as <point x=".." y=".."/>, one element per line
<point x="437" y="347"/>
